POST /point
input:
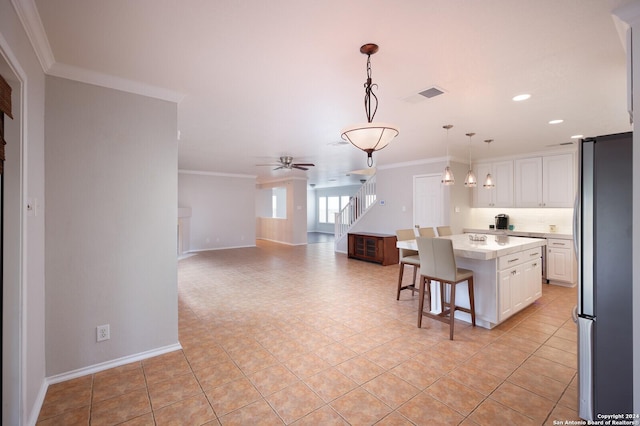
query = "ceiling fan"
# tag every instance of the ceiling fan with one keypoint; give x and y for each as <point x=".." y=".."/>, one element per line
<point x="286" y="162"/>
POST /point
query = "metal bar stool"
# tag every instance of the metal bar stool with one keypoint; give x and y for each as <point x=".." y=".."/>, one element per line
<point x="438" y="263"/>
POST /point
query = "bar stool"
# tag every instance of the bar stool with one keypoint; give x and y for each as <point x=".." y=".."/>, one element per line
<point x="426" y="232"/>
<point x="444" y="230"/>
<point x="438" y="263"/>
<point x="407" y="257"/>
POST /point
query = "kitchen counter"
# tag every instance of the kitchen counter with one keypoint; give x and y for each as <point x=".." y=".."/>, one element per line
<point x="507" y="275"/>
<point x="495" y="246"/>
<point x="519" y="233"/>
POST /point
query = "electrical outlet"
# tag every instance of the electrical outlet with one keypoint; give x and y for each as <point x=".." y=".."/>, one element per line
<point x="103" y="333"/>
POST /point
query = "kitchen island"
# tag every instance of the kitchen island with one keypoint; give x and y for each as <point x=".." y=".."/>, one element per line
<point x="507" y="275"/>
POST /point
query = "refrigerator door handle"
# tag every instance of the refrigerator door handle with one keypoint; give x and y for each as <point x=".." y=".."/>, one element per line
<point x="585" y="368"/>
<point x="574" y="314"/>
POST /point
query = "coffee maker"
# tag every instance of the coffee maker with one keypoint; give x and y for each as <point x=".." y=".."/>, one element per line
<point x="502" y="221"/>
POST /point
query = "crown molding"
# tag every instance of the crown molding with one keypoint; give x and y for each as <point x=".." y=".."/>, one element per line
<point x="30" y="18"/>
<point x="112" y="82"/>
<point x="628" y="13"/>
<point x="203" y="173"/>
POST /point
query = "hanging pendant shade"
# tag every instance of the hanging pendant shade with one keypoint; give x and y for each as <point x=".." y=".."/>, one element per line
<point x="470" y="180"/>
<point x="447" y="175"/>
<point x="369" y="136"/>
<point x="488" y="181"/>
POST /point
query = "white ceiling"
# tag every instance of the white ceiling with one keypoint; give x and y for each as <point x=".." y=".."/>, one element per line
<point x="259" y="79"/>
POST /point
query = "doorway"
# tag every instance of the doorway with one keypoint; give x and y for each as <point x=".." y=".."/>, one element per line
<point x="428" y="201"/>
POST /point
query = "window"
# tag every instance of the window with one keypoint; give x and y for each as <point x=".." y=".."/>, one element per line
<point x="329" y="206"/>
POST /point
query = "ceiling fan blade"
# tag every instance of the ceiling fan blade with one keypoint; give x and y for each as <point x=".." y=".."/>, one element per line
<point x="270" y="164"/>
<point x="297" y="166"/>
<point x="278" y="168"/>
<point x="304" y="164"/>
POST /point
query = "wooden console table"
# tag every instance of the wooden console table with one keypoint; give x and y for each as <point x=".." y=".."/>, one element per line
<point x="378" y="248"/>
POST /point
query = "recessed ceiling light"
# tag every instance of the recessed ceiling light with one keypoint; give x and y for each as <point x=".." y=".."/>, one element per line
<point x="522" y="97"/>
<point x="556" y="121"/>
<point x="577" y="136"/>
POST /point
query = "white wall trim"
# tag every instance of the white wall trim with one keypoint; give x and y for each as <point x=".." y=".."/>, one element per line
<point x="221" y="248"/>
<point x="203" y="173"/>
<point x="30" y="18"/>
<point x="112" y="82"/>
<point x="17" y="70"/>
<point x="281" y="242"/>
<point x="32" y="23"/>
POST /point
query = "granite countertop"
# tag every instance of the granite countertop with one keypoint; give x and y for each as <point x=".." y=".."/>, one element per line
<point x="495" y="246"/>
<point x="519" y="233"/>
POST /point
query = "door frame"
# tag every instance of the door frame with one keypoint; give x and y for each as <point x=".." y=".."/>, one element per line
<point x="18" y="354"/>
<point x="413" y="195"/>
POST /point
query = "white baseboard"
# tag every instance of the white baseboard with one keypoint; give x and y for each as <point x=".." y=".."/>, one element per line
<point x="92" y="369"/>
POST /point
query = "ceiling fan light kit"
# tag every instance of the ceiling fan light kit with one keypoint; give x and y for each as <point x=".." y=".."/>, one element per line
<point x="369" y="136"/>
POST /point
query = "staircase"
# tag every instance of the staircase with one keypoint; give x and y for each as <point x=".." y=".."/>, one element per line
<point x="358" y="205"/>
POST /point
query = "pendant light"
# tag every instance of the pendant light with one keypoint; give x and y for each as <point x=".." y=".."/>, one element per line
<point x="488" y="182"/>
<point x="368" y="136"/>
<point x="470" y="180"/>
<point x="447" y="175"/>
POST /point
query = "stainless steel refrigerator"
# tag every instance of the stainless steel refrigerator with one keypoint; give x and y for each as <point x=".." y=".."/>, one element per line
<point x="602" y="229"/>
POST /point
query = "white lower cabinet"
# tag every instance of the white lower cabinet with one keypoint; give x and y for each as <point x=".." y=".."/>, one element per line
<point x="519" y="281"/>
<point x="561" y="263"/>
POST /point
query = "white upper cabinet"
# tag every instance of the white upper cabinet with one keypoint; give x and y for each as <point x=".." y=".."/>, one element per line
<point x="502" y="194"/>
<point x="545" y="181"/>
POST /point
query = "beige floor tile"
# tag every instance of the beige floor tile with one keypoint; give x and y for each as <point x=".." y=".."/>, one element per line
<point x="537" y="383"/>
<point x="330" y="384"/>
<point x="523" y="401"/>
<point x="567" y="359"/>
<point x="391" y="389"/>
<point x="144" y="420"/>
<point x="306" y="365"/>
<point x="478" y="380"/>
<point x="423" y="409"/>
<point x="231" y="396"/>
<point x="173" y="390"/>
<point x="359" y="407"/>
<point x="360" y="369"/>
<point x="455" y="395"/>
<point x="310" y="327"/>
<point x="294" y="402"/>
<point x="272" y="379"/>
<point x="120" y="408"/>
<point x="491" y="413"/>
<point x="191" y="411"/>
<point x="324" y="415"/>
<point x="72" y="417"/>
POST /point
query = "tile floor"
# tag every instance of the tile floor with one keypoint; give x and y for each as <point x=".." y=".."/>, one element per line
<point x="300" y="335"/>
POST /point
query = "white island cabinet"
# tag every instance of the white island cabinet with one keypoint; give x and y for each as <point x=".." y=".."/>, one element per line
<point x="507" y="274"/>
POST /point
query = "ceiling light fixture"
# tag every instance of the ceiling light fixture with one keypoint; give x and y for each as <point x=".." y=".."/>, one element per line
<point x="447" y="175"/>
<point x="368" y="136"/>
<point x="488" y="182"/>
<point x="556" y="121"/>
<point x="522" y="97"/>
<point x="577" y="136"/>
<point x="470" y="181"/>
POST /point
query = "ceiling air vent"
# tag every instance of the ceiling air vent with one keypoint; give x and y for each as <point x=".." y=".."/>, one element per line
<point x="425" y="94"/>
<point x="431" y="92"/>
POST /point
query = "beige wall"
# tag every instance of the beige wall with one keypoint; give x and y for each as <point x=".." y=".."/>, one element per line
<point x="111" y="195"/>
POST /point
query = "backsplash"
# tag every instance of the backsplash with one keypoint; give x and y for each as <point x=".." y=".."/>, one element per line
<point x="531" y="220"/>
